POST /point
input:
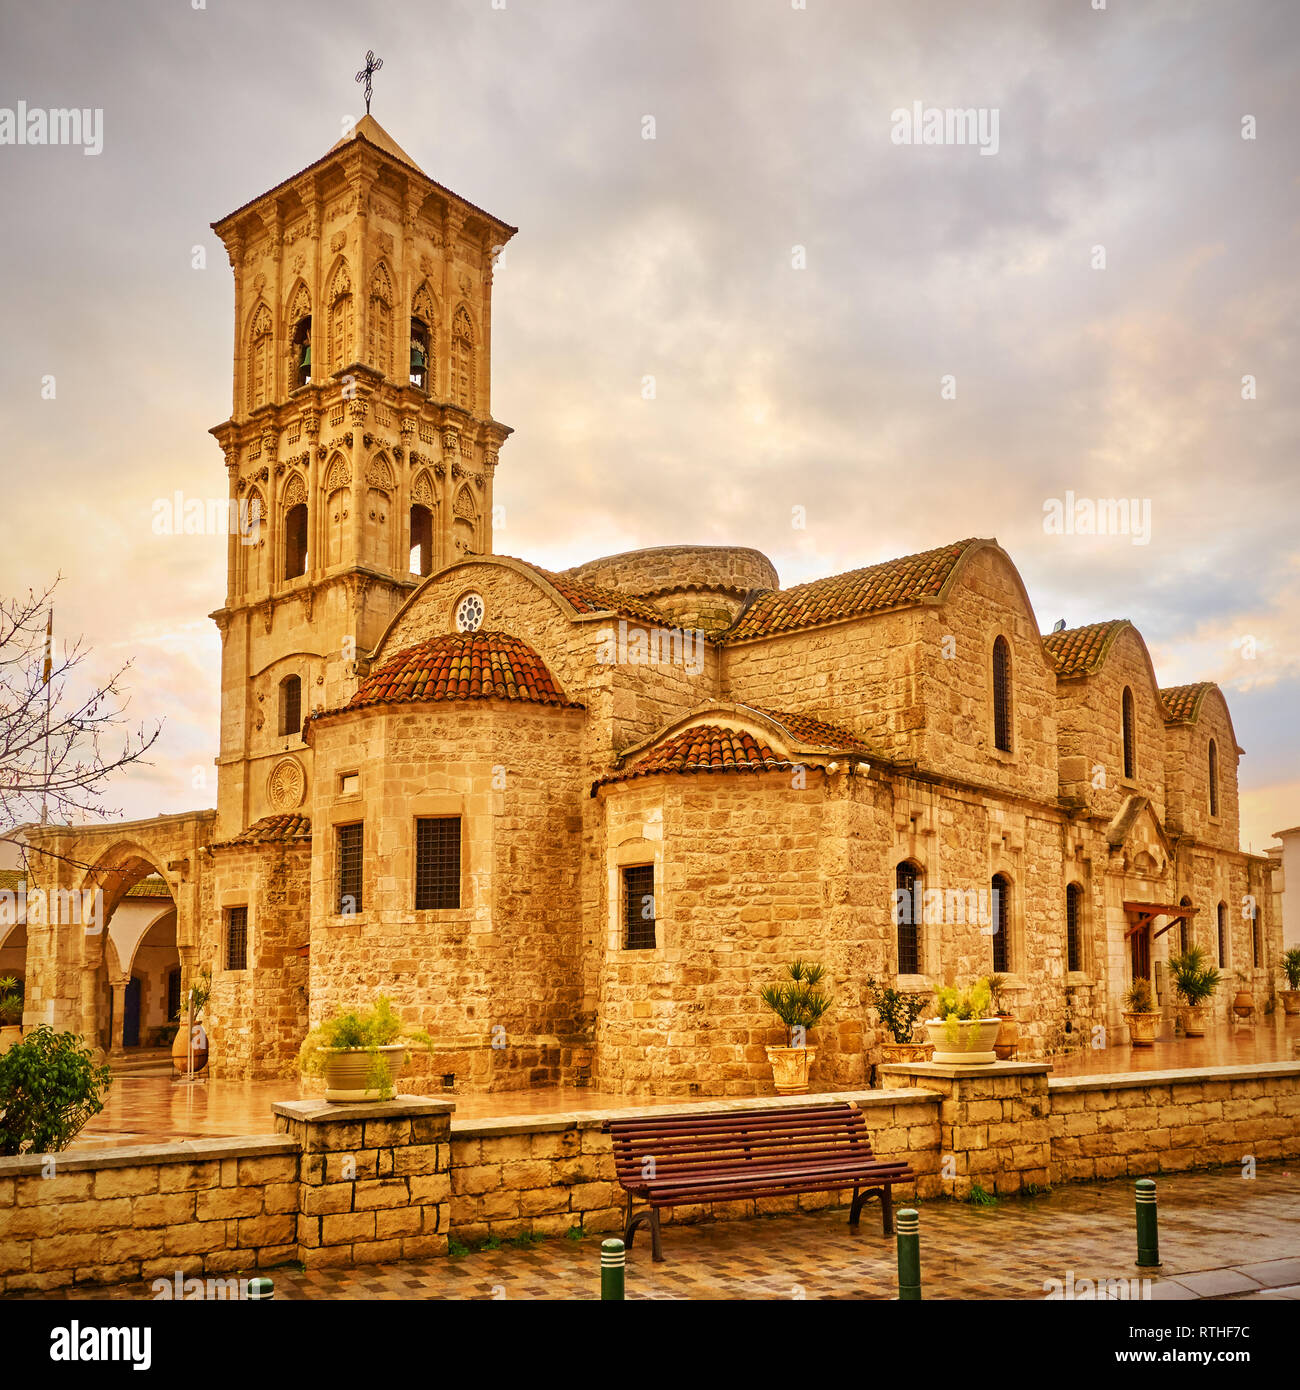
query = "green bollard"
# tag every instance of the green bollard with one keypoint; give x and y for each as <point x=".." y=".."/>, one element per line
<point x="1148" y="1231"/>
<point x="613" y="1265"/>
<point x="260" y="1288"/>
<point x="909" y="1254"/>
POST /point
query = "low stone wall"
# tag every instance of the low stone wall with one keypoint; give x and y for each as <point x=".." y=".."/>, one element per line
<point x="208" y="1206"/>
<point x="549" y="1175"/>
<point x="340" y="1185"/>
<point x="1166" y="1122"/>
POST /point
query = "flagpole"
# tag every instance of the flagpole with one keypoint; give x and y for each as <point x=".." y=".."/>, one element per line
<point x="49" y="652"/>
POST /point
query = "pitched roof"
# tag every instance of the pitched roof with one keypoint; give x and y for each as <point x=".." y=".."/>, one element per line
<point x="1080" y="651"/>
<point x="705" y="748"/>
<point x="462" y="666"/>
<point x="594" y="598"/>
<point x="155" y="886"/>
<point x="816" y="733"/>
<point x="1183" y="702"/>
<point x="270" y="830"/>
<point x="369" y="130"/>
<point x="897" y="583"/>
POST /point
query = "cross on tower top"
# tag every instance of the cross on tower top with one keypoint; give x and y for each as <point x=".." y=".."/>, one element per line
<point x="367" y="73"/>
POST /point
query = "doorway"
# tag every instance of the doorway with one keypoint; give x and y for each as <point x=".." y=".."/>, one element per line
<point x="131" y="1013"/>
<point x="1140" y="946"/>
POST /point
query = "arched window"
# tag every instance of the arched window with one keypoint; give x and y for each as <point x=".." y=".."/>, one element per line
<point x="295" y="541"/>
<point x="1214" y="778"/>
<point x="341" y="318"/>
<point x="462" y="360"/>
<point x="1223" y="934"/>
<point x="1001" y="923"/>
<point x="381" y="321"/>
<point x="1073" y="927"/>
<point x="300" y="355"/>
<point x="907" y="917"/>
<point x="421" y="540"/>
<point x="260" y="375"/>
<point x="419" y="370"/>
<point x="1256" y="933"/>
<point x="1130" y="735"/>
<point x="253" y="543"/>
<point x="1002" y="695"/>
<point x="290" y="706"/>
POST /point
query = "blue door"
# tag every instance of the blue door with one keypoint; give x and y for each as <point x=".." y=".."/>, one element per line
<point x="131" y="1012"/>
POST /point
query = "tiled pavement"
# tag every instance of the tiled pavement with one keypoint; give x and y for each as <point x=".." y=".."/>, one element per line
<point x="1221" y="1235"/>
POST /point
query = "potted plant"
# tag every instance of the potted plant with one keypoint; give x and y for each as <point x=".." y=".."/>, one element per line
<point x="1140" y="1013"/>
<point x="1243" y="1002"/>
<point x="11" y="1012"/>
<point x="1291" y="966"/>
<point x="964" y="1031"/>
<point x="800" y="1003"/>
<point x="190" y="1045"/>
<point x="360" y="1054"/>
<point x="898" y="1012"/>
<point x="1195" y="981"/>
<point x="1008" y="1039"/>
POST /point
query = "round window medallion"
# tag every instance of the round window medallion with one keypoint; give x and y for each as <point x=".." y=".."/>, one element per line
<point x="469" y="613"/>
<point x="286" y="785"/>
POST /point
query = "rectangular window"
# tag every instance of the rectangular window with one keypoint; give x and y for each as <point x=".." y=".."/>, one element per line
<point x="1001" y="914"/>
<point x="349" y="865"/>
<point x="639" y="908"/>
<point x="237" y="938"/>
<point x="437" y="862"/>
<point x="1074" y="956"/>
<point x="173" y="996"/>
<point x="1257" y="935"/>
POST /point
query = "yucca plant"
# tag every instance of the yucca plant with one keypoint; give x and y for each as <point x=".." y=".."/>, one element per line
<point x="1195" y="979"/>
<point x="799" y="1001"/>
<point x="1138" y="998"/>
<point x="1291" y="965"/>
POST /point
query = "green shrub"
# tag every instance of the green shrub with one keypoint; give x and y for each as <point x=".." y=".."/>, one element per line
<point x="898" y="1010"/>
<point x="1291" y="965"/>
<point x="958" y="1006"/>
<point x="1138" y="998"/>
<point x="372" y="1029"/>
<point x="11" y="1001"/>
<point x="50" y="1087"/>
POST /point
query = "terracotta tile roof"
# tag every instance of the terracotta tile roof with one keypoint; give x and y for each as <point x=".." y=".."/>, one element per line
<point x="816" y="733"/>
<point x="1183" y="702"/>
<point x="1080" y="651"/>
<point x="462" y="666"/>
<point x="594" y="598"/>
<point x="270" y="830"/>
<point x="155" y="886"/>
<point x="892" y="584"/>
<point x="704" y="748"/>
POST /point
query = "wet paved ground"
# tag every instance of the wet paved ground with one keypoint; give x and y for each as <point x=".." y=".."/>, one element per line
<point x="1221" y="1235"/>
<point x="147" y="1108"/>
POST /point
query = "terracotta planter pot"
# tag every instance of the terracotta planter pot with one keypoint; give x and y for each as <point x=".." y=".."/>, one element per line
<point x="1243" y="1003"/>
<point x="348" y="1070"/>
<point x="1142" y="1028"/>
<point x="892" y="1052"/>
<point x="179" y="1050"/>
<point x="1195" y="1018"/>
<point x="10" y="1034"/>
<point x="972" y="1046"/>
<point x="790" y="1066"/>
<point x="1008" y="1042"/>
<point x="1290" y="1000"/>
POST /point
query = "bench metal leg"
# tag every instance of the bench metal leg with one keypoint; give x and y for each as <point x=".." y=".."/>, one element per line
<point x="886" y="1210"/>
<point x="651" y="1217"/>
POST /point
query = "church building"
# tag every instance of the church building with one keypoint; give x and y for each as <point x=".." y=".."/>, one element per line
<point x="571" y="822"/>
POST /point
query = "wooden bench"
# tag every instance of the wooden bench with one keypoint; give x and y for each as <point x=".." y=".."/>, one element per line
<point x="675" y="1160"/>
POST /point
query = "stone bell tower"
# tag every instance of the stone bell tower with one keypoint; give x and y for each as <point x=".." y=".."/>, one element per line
<point x="360" y="448"/>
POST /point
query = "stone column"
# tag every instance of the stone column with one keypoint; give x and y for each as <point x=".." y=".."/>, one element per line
<point x="993" y="1122"/>
<point x="115" y="1044"/>
<point x="374" y="1178"/>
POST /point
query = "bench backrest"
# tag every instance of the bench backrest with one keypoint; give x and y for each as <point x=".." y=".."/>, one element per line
<point x="681" y="1145"/>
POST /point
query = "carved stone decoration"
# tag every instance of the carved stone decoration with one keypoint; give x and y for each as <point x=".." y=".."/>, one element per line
<point x="378" y="475"/>
<point x="259" y="283"/>
<point x="338" y="241"/>
<point x="232" y="457"/>
<point x="466" y="285"/>
<point x="478" y="481"/>
<point x="439" y="470"/>
<point x="339" y="475"/>
<point x="386" y="243"/>
<point x="279" y="470"/>
<point x="263" y="475"/>
<point x="240" y="486"/>
<point x="367" y="439"/>
<point x="357" y="408"/>
<point x="450" y="440"/>
<point x="286" y="785"/>
<point x="270" y="442"/>
<point x="490" y="458"/>
<point x="422" y="490"/>
<point x="397" y="453"/>
<point x="456" y="470"/>
<point x="464" y="506"/>
<point x="321" y="451"/>
<point x="311" y="419"/>
<point x="295" y="490"/>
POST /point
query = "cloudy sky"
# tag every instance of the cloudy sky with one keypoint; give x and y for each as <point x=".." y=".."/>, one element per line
<point x="783" y="380"/>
